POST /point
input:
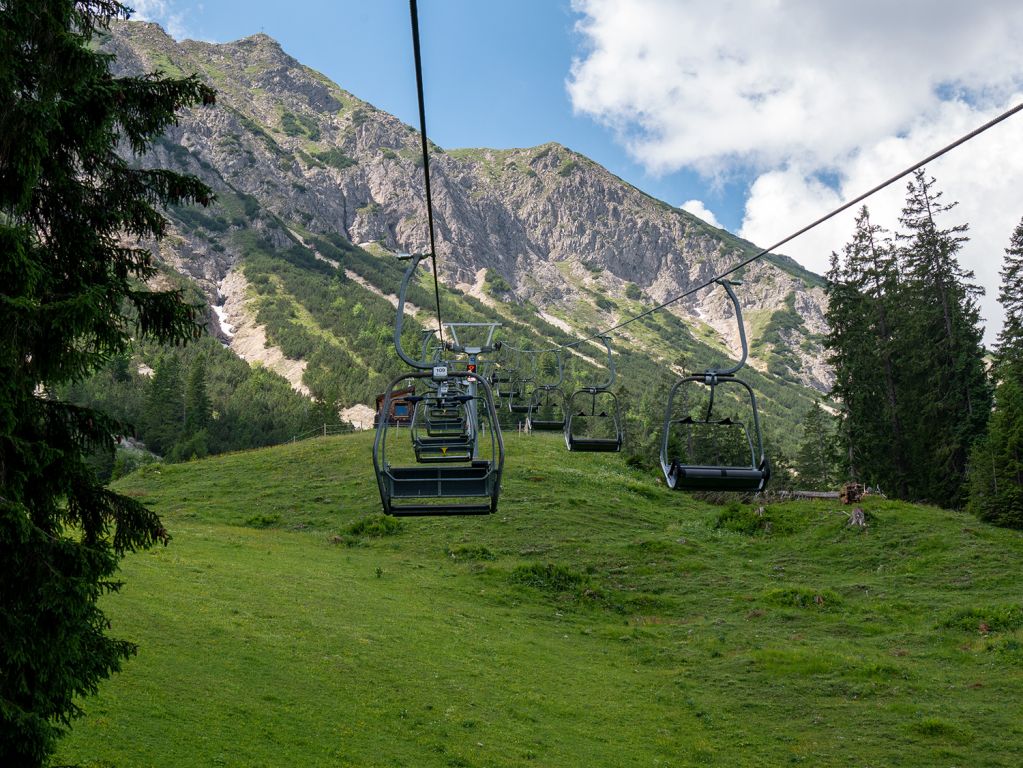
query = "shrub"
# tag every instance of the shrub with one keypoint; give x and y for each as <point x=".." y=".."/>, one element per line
<point x="126" y="462"/>
<point x="740" y="519"/>
<point x="801" y="597"/>
<point x="375" y="526"/>
<point x="471" y="553"/>
<point x="335" y="158"/>
<point x="990" y="618"/>
<point x="548" y="577"/>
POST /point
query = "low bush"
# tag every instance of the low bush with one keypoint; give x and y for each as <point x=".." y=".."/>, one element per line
<point x="801" y="597"/>
<point x="991" y="618"/>
<point x="375" y="526"/>
<point x="471" y="553"/>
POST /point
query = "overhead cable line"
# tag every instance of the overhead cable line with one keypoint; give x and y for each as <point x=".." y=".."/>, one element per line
<point x="760" y="254"/>
<point x="414" y="12"/>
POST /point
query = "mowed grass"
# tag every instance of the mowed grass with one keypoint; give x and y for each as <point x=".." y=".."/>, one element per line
<point x="597" y="620"/>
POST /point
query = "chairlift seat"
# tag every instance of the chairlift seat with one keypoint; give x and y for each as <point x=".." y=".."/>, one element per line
<point x="682" y="477"/>
<point x="611" y="416"/>
<point x="594" y="444"/>
<point x="438" y="510"/>
<point x="418" y="483"/>
<point x="460" y="440"/>
<point x="546" y="425"/>
<point x="470" y="487"/>
<point x="752" y="477"/>
<point x="445" y="452"/>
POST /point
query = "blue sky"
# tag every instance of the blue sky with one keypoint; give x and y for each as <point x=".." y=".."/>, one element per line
<point x="759" y="114"/>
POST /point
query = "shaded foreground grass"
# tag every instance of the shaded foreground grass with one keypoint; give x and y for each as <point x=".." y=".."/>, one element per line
<point x="597" y="619"/>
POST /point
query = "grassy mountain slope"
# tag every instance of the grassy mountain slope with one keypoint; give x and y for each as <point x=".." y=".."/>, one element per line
<point x="596" y="620"/>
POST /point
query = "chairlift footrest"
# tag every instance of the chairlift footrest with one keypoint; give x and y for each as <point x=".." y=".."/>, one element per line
<point x="547" y="426"/>
<point x="437" y="510"/>
<point x="594" y="445"/>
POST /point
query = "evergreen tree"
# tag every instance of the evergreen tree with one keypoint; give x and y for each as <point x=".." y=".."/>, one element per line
<point x="165" y="405"/>
<point x="946" y="385"/>
<point x="1010" y="296"/>
<point x="195" y="443"/>
<point x="865" y="315"/>
<point x="817" y="460"/>
<point x="74" y="293"/>
<point x="905" y="342"/>
<point x="198" y="410"/>
<point x="996" y="463"/>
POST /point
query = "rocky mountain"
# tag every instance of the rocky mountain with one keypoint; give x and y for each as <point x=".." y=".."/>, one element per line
<point x="303" y="167"/>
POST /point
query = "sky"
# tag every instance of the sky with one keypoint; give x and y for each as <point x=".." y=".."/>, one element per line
<point x="758" y="116"/>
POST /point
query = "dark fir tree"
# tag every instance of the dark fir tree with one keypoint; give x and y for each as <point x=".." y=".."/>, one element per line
<point x="198" y="410"/>
<point x="865" y="315"/>
<point x="817" y="460"/>
<point x="1010" y="296"/>
<point x="164" y="416"/>
<point x="996" y="464"/>
<point x="946" y="385"/>
<point x="74" y="294"/>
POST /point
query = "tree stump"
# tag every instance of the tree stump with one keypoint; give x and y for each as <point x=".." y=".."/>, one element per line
<point x="858" y="519"/>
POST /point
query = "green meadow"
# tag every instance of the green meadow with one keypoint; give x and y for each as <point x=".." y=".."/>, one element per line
<point x="596" y="620"/>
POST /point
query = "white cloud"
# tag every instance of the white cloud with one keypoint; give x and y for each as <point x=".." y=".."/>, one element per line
<point x="790" y="92"/>
<point x="163" y="12"/>
<point x="700" y="211"/>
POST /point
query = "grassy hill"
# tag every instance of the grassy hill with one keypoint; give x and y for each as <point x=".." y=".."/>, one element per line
<point x="596" y="620"/>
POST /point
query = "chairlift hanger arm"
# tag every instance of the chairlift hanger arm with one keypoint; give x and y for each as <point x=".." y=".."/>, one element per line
<point x="561" y="371"/>
<point x="742" y="328"/>
<point x="610" y="366"/>
<point x="399" y="321"/>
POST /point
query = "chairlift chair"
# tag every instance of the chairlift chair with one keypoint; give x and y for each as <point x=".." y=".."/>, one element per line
<point x="446" y="442"/>
<point x="449" y="477"/>
<point x="724" y="473"/>
<point x="438" y="486"/>
<point x="448" y="438"/>
<point x="521" y="393"/>
<point x="546" y="412"/>
<point x="594" y="405"/>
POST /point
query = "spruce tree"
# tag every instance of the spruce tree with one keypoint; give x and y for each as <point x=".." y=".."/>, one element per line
<point x="817" y="459"/>
<point x="996" y="463"/>
<point x="72" y="212"/>
<point x="165" y="405"/>
<point x="1010" y="296"/>
<point x="865" y="315"/>
<point x="198" y="413"/>
<point x="948" y="392"/>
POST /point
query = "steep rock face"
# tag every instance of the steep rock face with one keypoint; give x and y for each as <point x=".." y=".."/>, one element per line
<point x="563" y="232"/>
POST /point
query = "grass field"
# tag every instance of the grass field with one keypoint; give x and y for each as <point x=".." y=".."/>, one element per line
<point x="596" y="620"/>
